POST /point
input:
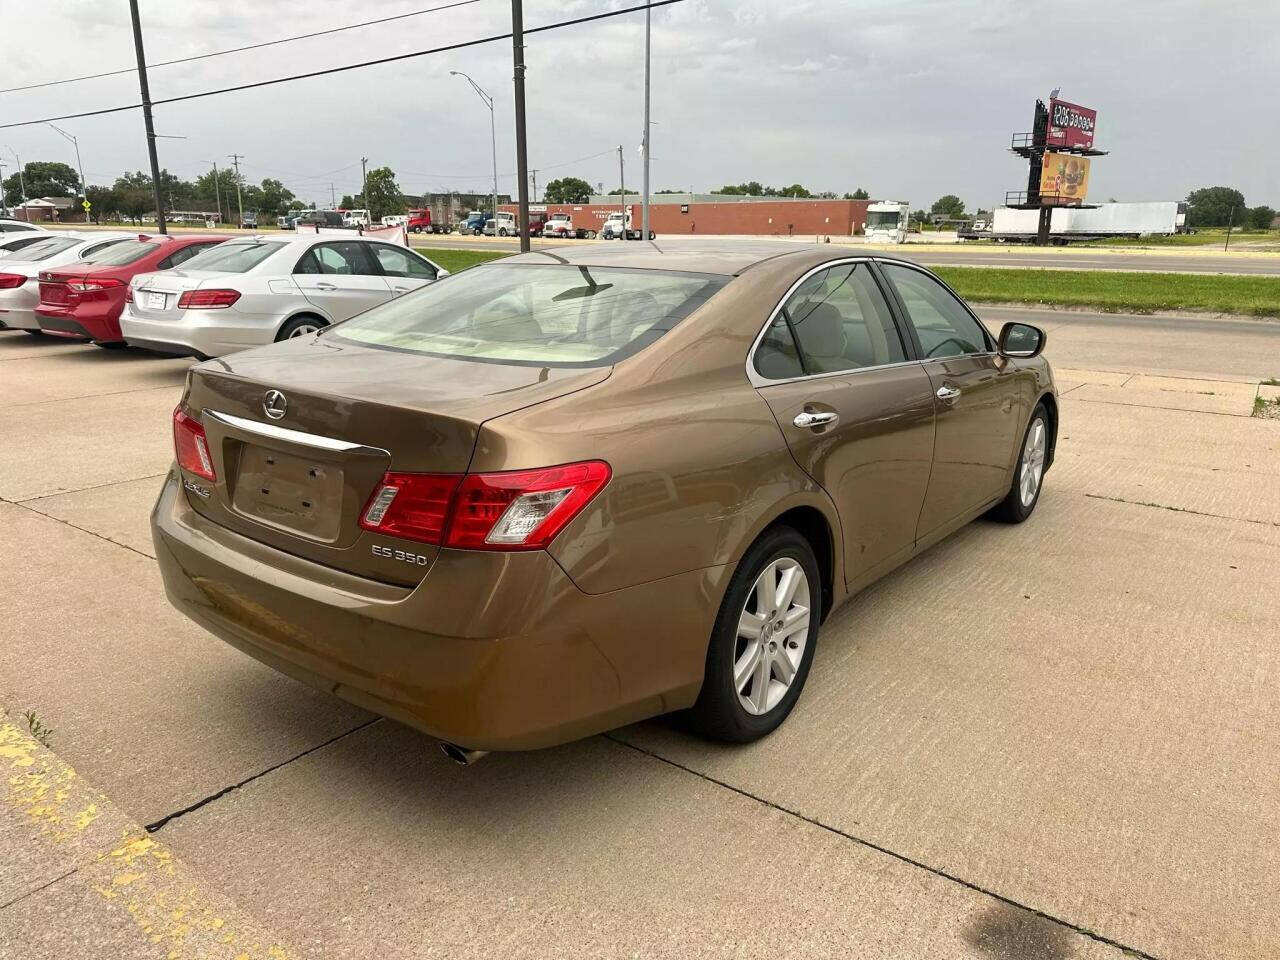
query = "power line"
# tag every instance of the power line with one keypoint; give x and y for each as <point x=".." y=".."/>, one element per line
<point x="351" y="66"/>
<point x="252" y="46"/>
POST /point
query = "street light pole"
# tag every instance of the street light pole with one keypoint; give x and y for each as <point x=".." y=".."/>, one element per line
<point x="217" y="192"/>
<point x="146" y="114"/>
<point x="22" y="184"/>
<point x="493" y="136"/>
<point x="644" y="216"/>
<point x="79" y="166"/>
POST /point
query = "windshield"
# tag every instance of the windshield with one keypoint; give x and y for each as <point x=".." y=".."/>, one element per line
<point x="46" y="248"/>
<point x="535" y="314"/>
<point x="118" y="254"/>
<point x="882" y="218"/>
<point x="234" y="256"/>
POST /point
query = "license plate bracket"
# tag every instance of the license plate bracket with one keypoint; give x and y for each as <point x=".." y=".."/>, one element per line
<point x="301" y="495"/>
<point x="156" y="301"/>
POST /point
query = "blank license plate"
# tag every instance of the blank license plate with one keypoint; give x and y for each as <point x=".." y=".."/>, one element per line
<point x="297" y="493"/>
<point x="156" y="301"/>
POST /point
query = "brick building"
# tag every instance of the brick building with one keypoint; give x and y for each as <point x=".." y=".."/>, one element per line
<point x="685" y="214"/>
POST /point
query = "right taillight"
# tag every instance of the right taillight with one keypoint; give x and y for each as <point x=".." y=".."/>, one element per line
<point x="512" y="510"/>
<point x="207" y="299"/>
<point x="128" y="294"/>
<point x="191" y="445"/>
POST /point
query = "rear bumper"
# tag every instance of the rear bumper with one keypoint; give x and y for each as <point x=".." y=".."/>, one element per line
<point x="197" y="333"/>
<point x="92" y="321"/>
<point x="493" y="651"/>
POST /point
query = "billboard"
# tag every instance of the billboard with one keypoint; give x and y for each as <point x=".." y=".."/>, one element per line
<point x="1071" y="125"/>
<point x="1064" y="179"/>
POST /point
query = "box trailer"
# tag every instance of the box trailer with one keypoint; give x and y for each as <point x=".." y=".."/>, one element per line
<point x="1105" y="220"/>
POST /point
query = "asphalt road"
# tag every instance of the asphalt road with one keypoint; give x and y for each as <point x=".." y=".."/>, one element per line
<point x="1056" y="740"/>
<point x="1183" y="260"/>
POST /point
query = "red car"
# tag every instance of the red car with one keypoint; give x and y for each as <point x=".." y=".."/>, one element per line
<point x="84" y="300"/>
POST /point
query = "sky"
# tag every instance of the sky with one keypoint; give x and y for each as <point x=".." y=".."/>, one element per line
<point x="909" y="99"/>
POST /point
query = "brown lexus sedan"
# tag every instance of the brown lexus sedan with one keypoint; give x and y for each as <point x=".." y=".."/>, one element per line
<point x="565" y="491"/>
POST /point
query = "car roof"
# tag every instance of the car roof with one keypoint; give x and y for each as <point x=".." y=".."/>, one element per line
<point x="728" y="257"/>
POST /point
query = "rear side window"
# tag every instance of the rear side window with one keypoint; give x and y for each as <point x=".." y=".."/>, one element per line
<point x="840" y="321"/>
<point x="234" y="256"/>
<point x="548" y="315"/>
<point x="944" y="325"/>
<point x="344" y="258"/>
<point x="119" y="254"/>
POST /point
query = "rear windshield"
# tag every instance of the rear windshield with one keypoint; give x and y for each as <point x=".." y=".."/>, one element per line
<point x="234" y="256"/>
<point x="118" y="254"/>
<point x="47" y="248"/>
<point x="535" y="314"/>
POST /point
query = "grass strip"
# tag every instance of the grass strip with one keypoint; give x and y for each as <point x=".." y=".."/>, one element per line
<point x="1116" y="291"/>
<point x="455" y="260"/>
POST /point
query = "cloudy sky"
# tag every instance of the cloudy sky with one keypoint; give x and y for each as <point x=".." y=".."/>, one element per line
<point x="910" y="99"/>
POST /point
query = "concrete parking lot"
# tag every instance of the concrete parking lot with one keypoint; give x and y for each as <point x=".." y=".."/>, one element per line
<point x="1055" y="740"/>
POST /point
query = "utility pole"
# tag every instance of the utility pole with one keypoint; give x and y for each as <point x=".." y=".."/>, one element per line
<point x="235" y="160"/>
<point x="3" y="209"/>
<point x="644" y="216"/>
<point x="533" y="180"/>
<point x="333" y="198"/>
<point x="622" y="189"/>
<point x="522" y="157"/>
<point x="146" y="114"/>
<point x="364" y="181"/>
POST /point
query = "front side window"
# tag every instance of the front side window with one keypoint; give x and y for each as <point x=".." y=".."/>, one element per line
<point x="399" y="262"/>
<point x="234" y="256"/>
<point x="944" y="325"/>
<point x="841" y="321"/>
<point x="559" y="315"/>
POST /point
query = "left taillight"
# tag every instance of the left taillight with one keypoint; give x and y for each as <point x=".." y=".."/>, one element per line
<point x="207" y="299"/>
<point x="191" y="445"/>
<point x="512" y="510"/>
<point x="10" y="281"/>
<point x="128" y="294"/>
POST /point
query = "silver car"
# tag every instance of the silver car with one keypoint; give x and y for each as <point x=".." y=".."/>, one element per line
<point x="20" y="272"/>
<point x="255" y="290"/>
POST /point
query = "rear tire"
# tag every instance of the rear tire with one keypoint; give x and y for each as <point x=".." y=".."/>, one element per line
<point x="1028" y="475"/>
<point x="301" y="326"/>
<point x="747" y="645"/>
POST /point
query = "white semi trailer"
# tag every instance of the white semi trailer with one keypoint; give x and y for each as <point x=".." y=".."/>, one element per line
<point x="1104" y="220"/>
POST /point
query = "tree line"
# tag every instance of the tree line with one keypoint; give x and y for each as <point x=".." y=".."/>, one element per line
<point x="131" y="195"/>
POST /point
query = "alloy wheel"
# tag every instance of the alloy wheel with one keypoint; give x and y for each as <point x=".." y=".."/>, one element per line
<point x="1033" y="451"/>
<point x="773" y="630"/>
<point x="304" y="330"/>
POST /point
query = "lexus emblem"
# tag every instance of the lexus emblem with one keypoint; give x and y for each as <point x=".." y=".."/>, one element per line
<point x="274" y="404"/>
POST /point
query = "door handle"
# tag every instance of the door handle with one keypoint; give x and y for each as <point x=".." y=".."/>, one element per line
<point x="807" y="419"/>
<point x="325" y="285"/>
<point x="947" y="394"/>
<point x="402" y="289"/>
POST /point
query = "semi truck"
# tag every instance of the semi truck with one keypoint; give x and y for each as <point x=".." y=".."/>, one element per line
<point x="1074" y="223"/>
<point x="887" y="221"/>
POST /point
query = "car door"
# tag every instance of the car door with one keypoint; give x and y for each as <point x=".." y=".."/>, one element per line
<point x="403" y="269"/>
<point x="854" y="406"/>
<point x="975" y="396"/>
<point x="342" y="278"/>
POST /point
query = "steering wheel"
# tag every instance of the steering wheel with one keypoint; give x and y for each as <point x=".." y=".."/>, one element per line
<point x="964" y="347"/>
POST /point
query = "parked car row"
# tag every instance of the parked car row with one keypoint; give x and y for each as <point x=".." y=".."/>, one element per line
<point x="199" y="295"/>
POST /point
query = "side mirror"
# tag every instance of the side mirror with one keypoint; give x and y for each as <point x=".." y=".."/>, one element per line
<point x="1021" y="341"/>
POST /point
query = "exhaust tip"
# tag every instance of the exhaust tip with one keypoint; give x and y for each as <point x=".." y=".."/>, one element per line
<point x="461" y="755"/>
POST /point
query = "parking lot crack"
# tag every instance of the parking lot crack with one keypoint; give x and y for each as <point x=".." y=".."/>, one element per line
<point x="158" y="824"/>
<point x="901" y="857"/>
<point x="92" y="533"/>
<point x="1197" y="513"/>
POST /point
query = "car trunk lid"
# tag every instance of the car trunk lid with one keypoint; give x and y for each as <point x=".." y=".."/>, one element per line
<point x="348" y="414"/>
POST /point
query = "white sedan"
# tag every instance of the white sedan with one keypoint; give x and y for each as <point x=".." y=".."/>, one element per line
<point x="20" y="272"/>
<point x="255" y="290"/>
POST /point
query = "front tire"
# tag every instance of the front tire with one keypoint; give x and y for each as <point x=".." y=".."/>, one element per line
<point x="1028" y="477"/>
<point x="763" y="640"/>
